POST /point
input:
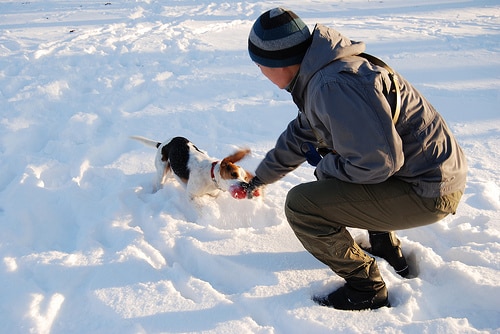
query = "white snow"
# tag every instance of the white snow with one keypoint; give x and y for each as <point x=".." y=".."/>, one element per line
<point x="87" y="247"/>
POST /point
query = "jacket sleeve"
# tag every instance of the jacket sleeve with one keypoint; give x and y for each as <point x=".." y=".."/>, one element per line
<point x="358" y="120"/>
<point x="286" y="155"/>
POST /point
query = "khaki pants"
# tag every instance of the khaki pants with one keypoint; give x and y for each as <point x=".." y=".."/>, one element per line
<point x="320" y="211"/>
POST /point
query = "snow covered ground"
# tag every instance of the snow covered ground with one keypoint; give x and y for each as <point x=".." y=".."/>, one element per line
<point x="85" y="245"/>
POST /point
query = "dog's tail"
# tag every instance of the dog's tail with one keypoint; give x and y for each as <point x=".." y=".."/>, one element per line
<point x="146" y="141"/>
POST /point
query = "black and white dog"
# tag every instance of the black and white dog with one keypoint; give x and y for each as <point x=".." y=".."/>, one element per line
<point x="201" y="174"/>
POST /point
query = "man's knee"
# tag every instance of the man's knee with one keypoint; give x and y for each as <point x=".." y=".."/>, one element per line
<point x="306" y="217"/>
<point x="295" y="204"/>
<point x="292" y="197"/>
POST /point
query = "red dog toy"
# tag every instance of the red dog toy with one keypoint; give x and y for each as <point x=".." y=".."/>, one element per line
<point x="238" y="192"/>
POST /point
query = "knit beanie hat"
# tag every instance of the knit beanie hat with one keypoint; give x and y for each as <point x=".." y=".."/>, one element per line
<point x="278" y="38"/>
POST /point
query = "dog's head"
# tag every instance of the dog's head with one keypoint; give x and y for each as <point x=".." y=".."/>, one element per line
<point x="230" y="171"/>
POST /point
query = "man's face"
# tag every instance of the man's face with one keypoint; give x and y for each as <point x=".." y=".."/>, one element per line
<point x="280" y="76"/>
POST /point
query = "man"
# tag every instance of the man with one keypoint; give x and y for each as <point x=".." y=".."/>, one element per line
<point x="388" y="160"/>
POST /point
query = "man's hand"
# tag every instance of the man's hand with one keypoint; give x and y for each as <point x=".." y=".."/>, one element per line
<point x="252" y="187"/>
<point x="246" y="190"/>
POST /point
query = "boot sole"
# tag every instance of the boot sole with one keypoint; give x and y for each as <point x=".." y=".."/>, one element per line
<point x="323" y="301"/>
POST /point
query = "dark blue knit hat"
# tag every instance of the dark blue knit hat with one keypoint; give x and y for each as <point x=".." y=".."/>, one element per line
<point x="278" y="38"/>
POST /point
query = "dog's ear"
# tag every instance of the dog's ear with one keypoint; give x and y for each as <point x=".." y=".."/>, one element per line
<point x="237" y="156"/>
<point x="228" y="169"/>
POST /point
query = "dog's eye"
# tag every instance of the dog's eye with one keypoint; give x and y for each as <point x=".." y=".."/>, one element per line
<point x="234" y="175"/>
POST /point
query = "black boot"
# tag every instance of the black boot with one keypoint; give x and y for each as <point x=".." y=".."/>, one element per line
<point x="387" y="246"/>
<point x="358" y="293"/>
